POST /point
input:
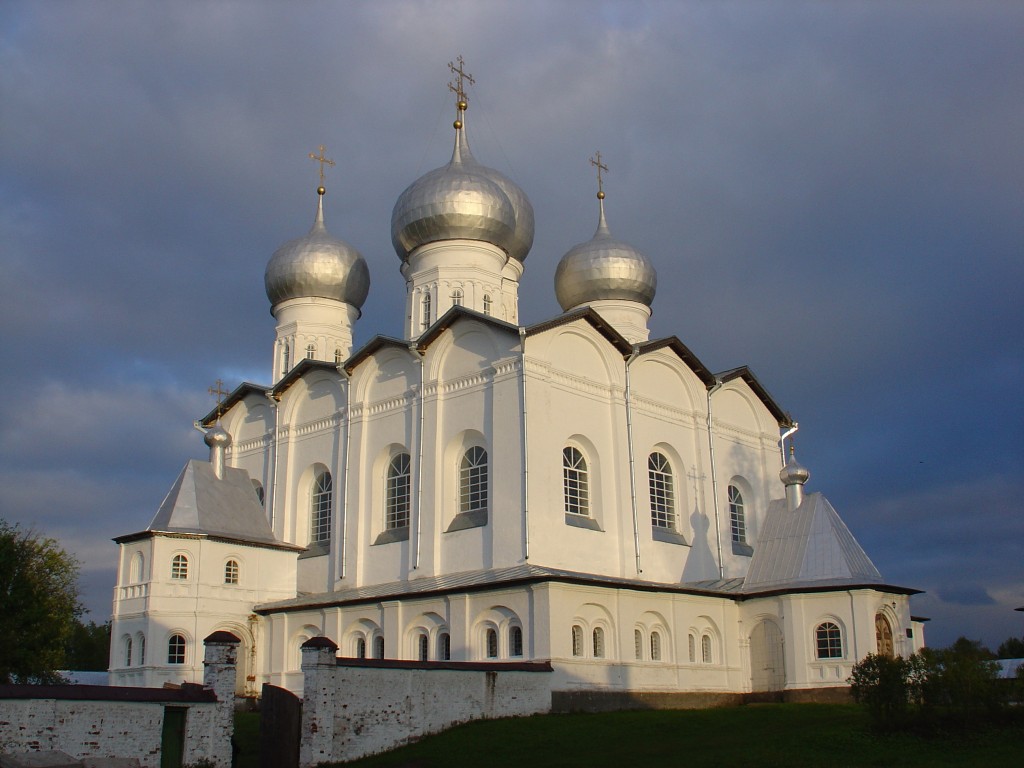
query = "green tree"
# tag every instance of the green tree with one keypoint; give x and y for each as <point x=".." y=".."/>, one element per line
<point x="1011" y="648"/>
<point x="38" y="605"/>
<point x="88" y="646"/>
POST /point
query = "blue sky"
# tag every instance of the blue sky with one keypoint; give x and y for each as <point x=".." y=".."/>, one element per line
<point x="832" y="194"/>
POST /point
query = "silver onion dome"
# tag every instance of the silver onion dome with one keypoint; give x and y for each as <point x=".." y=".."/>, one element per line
<point x="463" y="200"/>
<point x="317" y="265"/>
<point x="217" y="436"/>
<point x="604" y="268"/>
<point x="794" y="473"/>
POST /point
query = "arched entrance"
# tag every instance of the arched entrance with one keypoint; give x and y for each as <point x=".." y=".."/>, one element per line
<point x="767" y="658"/>
<point x="883" y="636"/>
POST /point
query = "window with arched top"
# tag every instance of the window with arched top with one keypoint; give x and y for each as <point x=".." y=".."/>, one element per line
<point x="176" y="649"/>
<point x="423" y="647"/>
<point x="426" y="311"/>
<point x="515" y="641"/>
<point x="444" y="646"/>
<point x="487" y="304"/>
<point x="321" y="501"/>
<point x="663" y="500"/>
<point x="142" y="648"/>
<point x="491" y="640"/>
<point x="179" y="568"/>
<point x="473" y="480"/>
<point x="337" y="356"/>
<point x="691" y="648"/>
<point x="310" y="351"/>
<point x="638" y="644"/>
<point x="575" y="481"/>
<point x="126" y="646"/>
<point x="360" y="647"/>
<point x="705" y="649"/>
<point x="577" y="640"/>
<point x="286" y="357"/>
<point x="737" y="515"/>
<point x="655" y="646"/>
<point x="397" y="495"/>
<point x="598" y="643"/>
<point x="457" y="297"/>
<point x="231" y="572"/>
<point x="257" y="486"/>
<point x="828" y="640"/>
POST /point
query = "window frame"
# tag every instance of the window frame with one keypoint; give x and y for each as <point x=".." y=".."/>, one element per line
<point x="828" y="641"/>
<point x="515" y="641"/>
<point x="737" y="514"/>
<point x="179" y="567"/>
<point x="474" y="483"/>
<point x="577" y="641"/>
<point x="321" y="507"/>
<point x="177" y="649"/>
<point x="398" y="492"/>
<point x="575" y="482"/>
<point x="661" y="490"/>
<point x="232" y="572"/>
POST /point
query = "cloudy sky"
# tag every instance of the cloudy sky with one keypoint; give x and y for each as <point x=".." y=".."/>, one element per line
<point x="832" y="194"/>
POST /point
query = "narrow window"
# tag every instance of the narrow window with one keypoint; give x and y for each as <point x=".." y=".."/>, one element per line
<point x="444" y="649"/>
<point x="457" y="297"/>
<point x="692" y="648"/>
<point x="487" y="304"/>
<point x="231" y="572"/>
<point x="310" y="351"/>
<point x="176" y="650"/>
<point x="473" y="480"/>
<point x="179" y="567"/>
<point x="577" y="640"/>
<point x="492" y="644"/>
<point x="127" y="651"/>
<point x="142" y="648"/>
<point x="337" y="356"/>
<point x="638" y="644"/>
<point x="829" y="641"/>
<point x="360" y="647"/>
<point x="423" y="647"/>
<point x="737" y="520"/>
<point x="426" y="311"/>
<point x="655" y="646"/>
<point x="705" y="649"/>
<point x="396" y="512"/>
<point x="138" y="569"/>
<point x="515" y="641"/>
<point x="320" y="508"/>
<point x="257" y="486"/>
<point x="598" y="643"/>
<point x="575" y="482"/>
<point x="663" y="503"/>
<point x="286" y="358"/>
<point x="378" y="647"/>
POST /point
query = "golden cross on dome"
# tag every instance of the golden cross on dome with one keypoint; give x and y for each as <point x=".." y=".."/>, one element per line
<point x="323" y="161"/>
<point x="596" y="161"/>
<point x="462" y="76"/>
<point x="218" y="390"/>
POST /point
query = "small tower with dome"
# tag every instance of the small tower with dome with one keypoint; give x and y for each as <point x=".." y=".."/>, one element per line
<point x="613" y="278"/>
<point x="316" y="285"/>
<point x="462" y="232"/>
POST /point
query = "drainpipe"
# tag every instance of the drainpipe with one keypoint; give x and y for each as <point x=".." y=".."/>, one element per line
<point x="419" y="458"/>
<point x="275" y="444"/>
<point x="632" y="473"/>
<point x="343" y="554"/>
<point x="714" y="482"/>
<point x="782" y="440"/>
<point x="526" y="452"/>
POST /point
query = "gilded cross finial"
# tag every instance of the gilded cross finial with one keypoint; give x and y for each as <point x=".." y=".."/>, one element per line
<point x="218" y="390"/>
<point x="461" y="78"/>
<point x="323" y="161"/>
<point x="596" y="161"/>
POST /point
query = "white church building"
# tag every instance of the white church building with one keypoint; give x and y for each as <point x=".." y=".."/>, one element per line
<point x="489" y="490"/>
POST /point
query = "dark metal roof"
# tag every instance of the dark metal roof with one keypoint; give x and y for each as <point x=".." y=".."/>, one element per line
<point x="743" y="372"/>
<point x="238" y="394"/>
<point x="590" y="315"/>
<point x="452" y="316"/>
<point x="683" y="352"/>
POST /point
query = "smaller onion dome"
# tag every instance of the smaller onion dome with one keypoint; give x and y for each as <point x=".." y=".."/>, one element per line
<point x="317" y="265"/>
<point x="604" y="268"/>
<point x="794" y="473"/>
<point x="216" y="437"/>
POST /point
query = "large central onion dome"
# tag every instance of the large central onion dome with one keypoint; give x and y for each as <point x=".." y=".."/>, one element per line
<point x="317" y="265"/>
<point x="463" y="200"/>
<point x="602" y="269"/>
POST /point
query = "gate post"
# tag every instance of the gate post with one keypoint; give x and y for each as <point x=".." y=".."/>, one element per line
<point x="319" y="670"/>
<point x="219" y="676"/>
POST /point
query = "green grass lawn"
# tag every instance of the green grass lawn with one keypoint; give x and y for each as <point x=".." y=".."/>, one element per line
<point x="755" y="735"/>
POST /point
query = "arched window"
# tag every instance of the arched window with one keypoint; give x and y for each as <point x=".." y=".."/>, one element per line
<point x="378" y="647"/>
<point x="655" y="646"/>
<point x="310" y="351"/>
<point x="638" y="644"/>
<point x="492" y="643"/>
<point x="515" y="641"/>
<point x="473" y="480"/>
<point x="575" y="482"/>
<point x="396" y="508"/>
<point x="258" y="487"/>
<point x="423" y="646"/>
<point x="691" y="648"/>
<point x="176" y="649"/>
<point x="360" y="647"/>
<point x="737" y="519"/>
<point x="598" y="643"/>
<point x="444" y="646"/>
<point x="705" y="649"/>
<point x="142" y="648"/>
<point x="231" y="572"/>
<point x="426" y="311"/>
<point x="320" y="508"/>
<point x="457" y="296"/>
<point x="179" y="567"/>
<point x="127" y="646"/>
<point x="286" y="357"/>
<point x="577" y="640"/>
<point x="663" y="500"/>
<point x="487" y="304"/>
<point x="829" y="640"/>
<point x="138" y="568"/>
<point x="337" y="356"/>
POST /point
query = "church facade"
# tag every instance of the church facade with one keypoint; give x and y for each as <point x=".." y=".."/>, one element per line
<point x="482" y="489"/>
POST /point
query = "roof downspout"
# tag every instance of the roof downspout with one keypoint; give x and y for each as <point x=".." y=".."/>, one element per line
<point x="782" y="440"/>
<point x="526" y="452"/>
<point x="714" y="482"/>
<point x="343" y="553"/>
<point x="418" y="355"/>
<point x="629" y="446"/>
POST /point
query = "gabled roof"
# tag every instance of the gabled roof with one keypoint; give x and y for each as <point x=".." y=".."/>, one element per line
<point x="237" y="395"/>
<point x="452" y="316"/>
<point x="200" y="503"/>
<point x="588" y="314"/>
<point x="683" y="353"/>
<point x="301" y="368"/>
<point x="809" y="546"/>
<point x="370" y="348"/>
<point x="743" y="372"/>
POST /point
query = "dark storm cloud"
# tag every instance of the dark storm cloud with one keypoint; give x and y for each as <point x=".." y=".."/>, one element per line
<point x="831" y="193"/>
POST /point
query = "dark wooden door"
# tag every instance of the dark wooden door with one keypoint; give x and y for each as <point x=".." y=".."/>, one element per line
<point x="280" y="721"/>
<point x="172" y="740"/>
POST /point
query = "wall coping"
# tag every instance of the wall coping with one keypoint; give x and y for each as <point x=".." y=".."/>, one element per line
<point x="465" y="666"/>
<point x="189" y="693"/>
